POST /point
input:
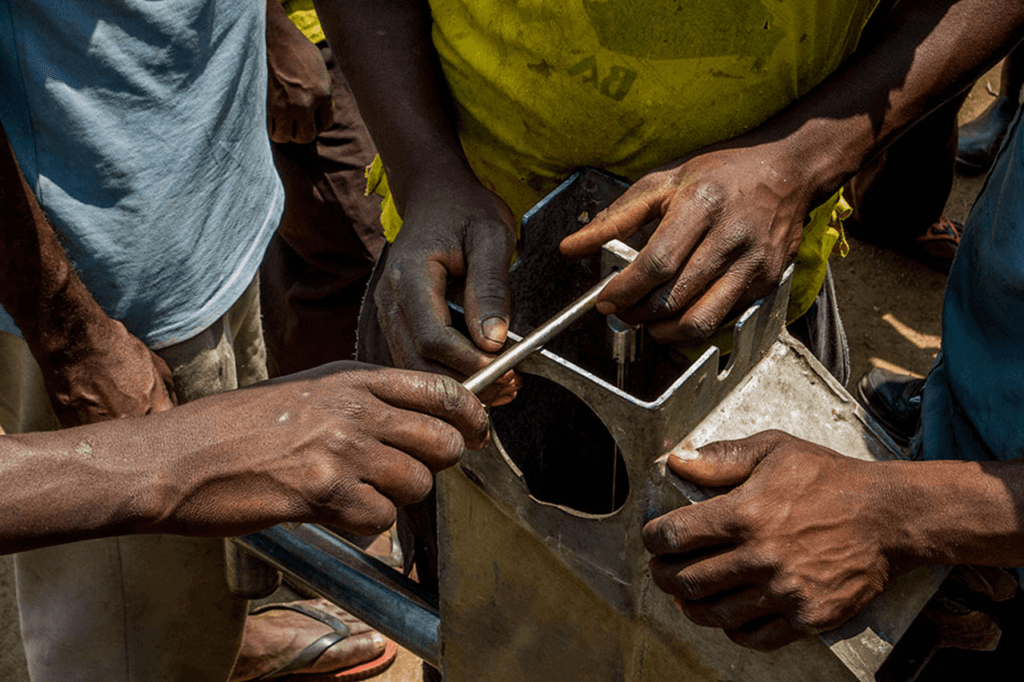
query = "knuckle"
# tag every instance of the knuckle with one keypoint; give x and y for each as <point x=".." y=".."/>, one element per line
<point x="383" y="517"/>
<point x="450" y="446"/>
<point x="664" y="535"/>
<point x="709" y="196"/>
<point x="354" y="411"/>
<point x="722" y="616"/>
<point x="688" y="585"/>
<point x="450" y="394"/>
<point x="789" y="588"/>
<point x="702" y="325"/>
<point x="657" y="265"/>
<point x="667" y="301"/>
<point x="430" y="344"/>
<point x="419" y="481"/>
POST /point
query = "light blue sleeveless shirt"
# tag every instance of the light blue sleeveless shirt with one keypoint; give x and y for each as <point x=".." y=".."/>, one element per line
<point x="141" y="127"/>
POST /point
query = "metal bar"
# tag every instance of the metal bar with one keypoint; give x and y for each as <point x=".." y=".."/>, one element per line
<point x="370" y="590"/>
<point x="537" y="338"/>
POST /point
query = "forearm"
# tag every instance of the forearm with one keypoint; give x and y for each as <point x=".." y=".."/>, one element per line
<point x="79" y="483"/>
<point x="955" y="512"/>
<point x="925" y="53"/>
<point x="38" y="285"/>
<point x="387" y="55"/>
<point x="278" y="24"/>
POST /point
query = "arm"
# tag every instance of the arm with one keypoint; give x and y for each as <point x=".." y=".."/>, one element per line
<point x="93" y="368"/>
<point x="453" y="226"/>
<point x="810" y="536"/>
<point x="341" y="444"/>
<point x="299" y="103"/>
<point x="732" y="214"/>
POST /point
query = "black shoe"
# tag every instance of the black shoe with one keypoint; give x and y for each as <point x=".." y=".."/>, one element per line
<point x="894" y="400"/>
<point x="980" y="139"/>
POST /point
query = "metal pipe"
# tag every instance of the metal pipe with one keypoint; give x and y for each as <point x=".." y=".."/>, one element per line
<point x="370" y="590"/>
<point x="537" y="338"/>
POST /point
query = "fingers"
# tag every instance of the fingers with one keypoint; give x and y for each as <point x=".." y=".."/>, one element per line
<point x="706" y="575"/>
<point x="435" y="443"/>
<point x="304" y="127"/>
<point x="729" y="611"/>
<point x="398" y="477"/>
<point x="681" y="230"/>
<point x="636" y="207"/>
<point x="488" y="305"/>
<point x="363" y="510"/>
<point x="700" y="321"/>
<point x="435" y="395"/>
<point x="726" y="463"/>
<point x="417" y="293"/>
<point x="324" y="116"/>
<point x="767" y="634"/>
<point x="688" y="529"/>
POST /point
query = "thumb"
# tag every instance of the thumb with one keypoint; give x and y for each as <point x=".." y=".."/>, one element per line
<point x="724" y="463"/>
<point x="488" y="304"/>
<point x="627" y="214"/>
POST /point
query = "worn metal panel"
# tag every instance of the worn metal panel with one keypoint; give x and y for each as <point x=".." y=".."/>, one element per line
<point x="557" y="588"/>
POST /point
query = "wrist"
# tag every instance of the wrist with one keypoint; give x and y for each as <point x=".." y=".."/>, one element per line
<point x="442" y="178"/>
<point x="949" y="512"/>
<point x="820" y="156"/>
<point x="72" y="329"/>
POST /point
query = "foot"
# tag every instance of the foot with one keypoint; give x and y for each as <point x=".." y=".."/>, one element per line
<point x="937" y="247"/>
<point x="275" y="638"/>
<point x="979" y="139"/>
<point x="894" y="400"/>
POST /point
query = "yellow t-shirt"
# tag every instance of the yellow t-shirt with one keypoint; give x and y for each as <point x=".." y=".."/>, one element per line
<point x="542" y="88"/>
<point x="303" y="15"/>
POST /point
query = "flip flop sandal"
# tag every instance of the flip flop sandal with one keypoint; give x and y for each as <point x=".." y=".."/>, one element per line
<point x="314" y="651"/>
<point x="938" y="245"/>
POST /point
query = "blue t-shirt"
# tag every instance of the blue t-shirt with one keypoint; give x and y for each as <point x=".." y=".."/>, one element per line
<point x="141" y="127"/>
<point x="973" y="401"/>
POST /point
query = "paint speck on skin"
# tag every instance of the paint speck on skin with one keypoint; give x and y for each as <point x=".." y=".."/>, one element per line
<point x="284" y="417"/>
<point x="84" y="449"/>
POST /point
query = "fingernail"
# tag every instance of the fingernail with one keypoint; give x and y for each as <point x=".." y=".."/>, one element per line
<point x="607" y="308"/>
<point x="686" y="452"/>
<point x="494" y="329"/>
<point x="378" y="640"/>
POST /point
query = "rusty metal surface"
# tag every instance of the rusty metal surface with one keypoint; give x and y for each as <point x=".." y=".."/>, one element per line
<point x="543" y="577"/>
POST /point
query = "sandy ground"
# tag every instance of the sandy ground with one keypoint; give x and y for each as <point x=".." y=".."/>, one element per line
<point x="890" y="306"/>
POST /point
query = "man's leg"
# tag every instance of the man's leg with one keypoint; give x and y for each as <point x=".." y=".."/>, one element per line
<point x="146" y="607"/>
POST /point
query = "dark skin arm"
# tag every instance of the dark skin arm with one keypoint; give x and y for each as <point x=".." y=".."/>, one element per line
<point x="453" y="227"/>
<point x="299" y="103"/>
<point x="93" y="368"/>
<point x="732" y="214"/>
<point x="343" y="444"/>
<point x="810" y="536"/>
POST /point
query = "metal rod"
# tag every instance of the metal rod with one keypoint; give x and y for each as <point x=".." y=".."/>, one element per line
<point x="536" y="339"/>
<point x="371" y="591"/>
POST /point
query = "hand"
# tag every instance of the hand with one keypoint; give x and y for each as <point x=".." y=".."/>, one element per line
<point x="463" y="233"/>
<point x="731" y="221"/>
<point x="299" y="104"/>
<point x="343" y="444"/>
<point x="108" y="374"/>
<point x="798" y="548"/>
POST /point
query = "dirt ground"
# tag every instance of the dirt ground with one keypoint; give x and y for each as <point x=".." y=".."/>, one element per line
<point x="890" y="305"/>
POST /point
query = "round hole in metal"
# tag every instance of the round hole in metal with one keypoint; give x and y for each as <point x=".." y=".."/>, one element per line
<point x="566" y="454"/>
